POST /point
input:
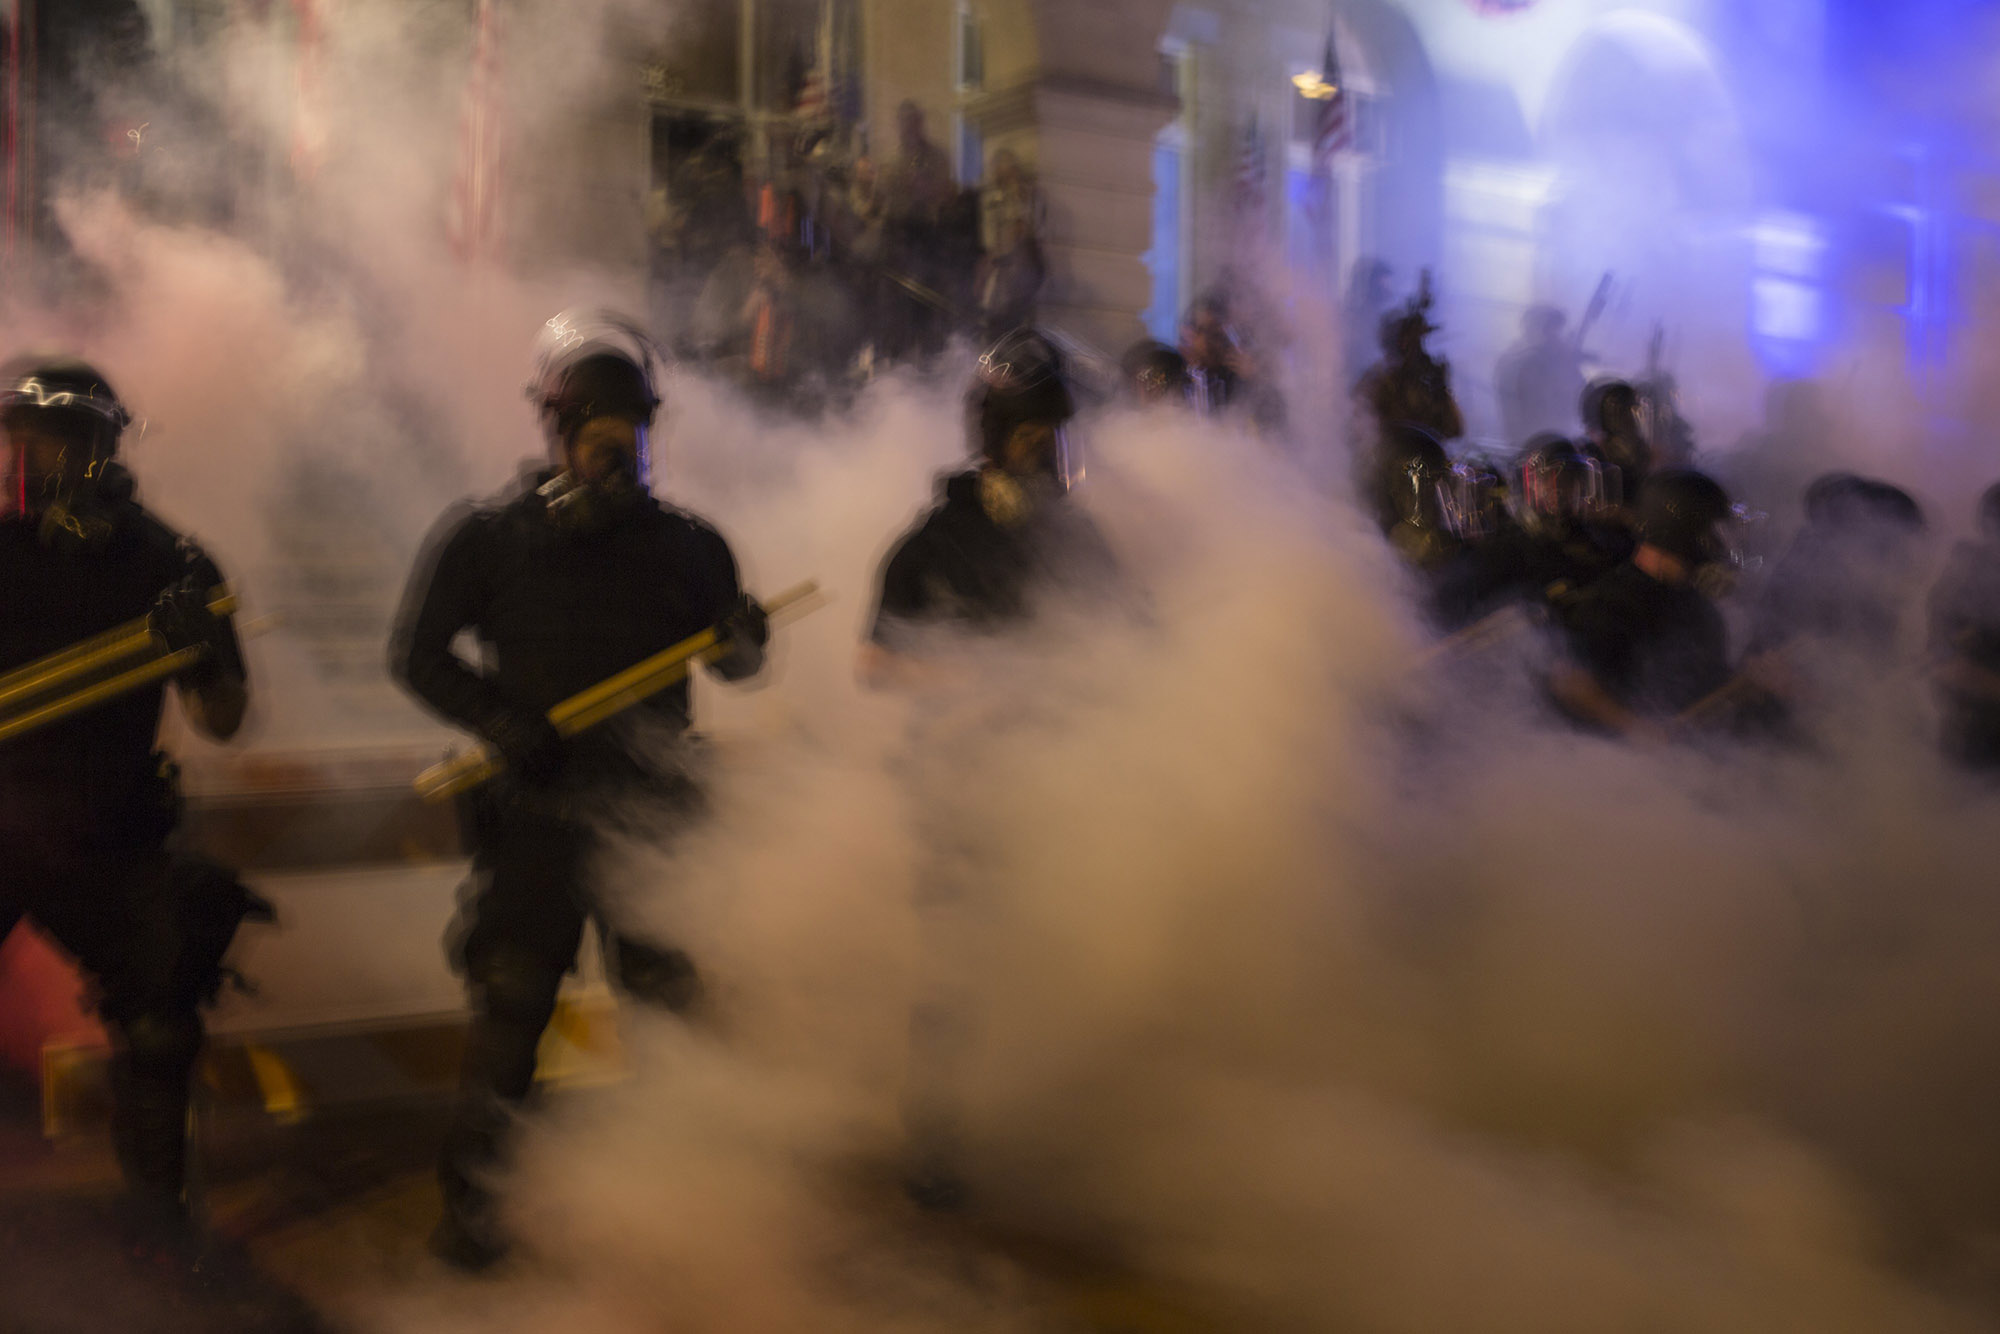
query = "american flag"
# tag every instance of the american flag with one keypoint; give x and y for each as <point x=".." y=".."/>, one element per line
<point x="1334" y="130"/>
<point x="308" y="107"/>
<point x="815" y="99"/>
<point x="474" y="223"/>
<point x="1251" y="171"/>
<point x="812" y="100"/>
<point x="20" y="130"/>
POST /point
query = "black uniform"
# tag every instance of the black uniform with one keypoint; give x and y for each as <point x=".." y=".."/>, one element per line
<point x="961" y="566"/>
<point x="1515" y="565"/>
<point x="1656" y="648"/>
<point x="557" y="609"/>
<point x="1539" y="381"/>
<point x="1965" y="622"/>
<point x="85" y="809"/>
<point x="1845" y="588"/>
<point x="965" y="569"/>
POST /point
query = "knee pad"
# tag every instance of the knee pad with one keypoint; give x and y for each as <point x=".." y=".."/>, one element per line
<point x="666" y="978"/>
<point x="513" y="986"/>
<point x="162" y="1045"/>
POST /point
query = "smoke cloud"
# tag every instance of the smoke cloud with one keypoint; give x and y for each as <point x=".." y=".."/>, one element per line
<point x="1305" y="981"/>
<point x="1296" y="983"/>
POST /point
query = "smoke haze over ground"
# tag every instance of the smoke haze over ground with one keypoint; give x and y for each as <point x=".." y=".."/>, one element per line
<point x="1332" y="985"/>
<point x="1343" y="1005"/>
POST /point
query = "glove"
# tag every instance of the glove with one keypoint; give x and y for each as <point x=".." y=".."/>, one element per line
<point x="529" y="743"/>
<point x="744" y="630"/>
<point x="181" y="618"/>
<point x="746" y="626"/>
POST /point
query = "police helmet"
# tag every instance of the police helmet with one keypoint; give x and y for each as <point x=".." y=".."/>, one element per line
<point x="69" y="395"/>
<point x="1843" y="500"/>
<point x="1153" y="371"/>
<point x="593" y="363"/>
<point x="1989" y="512"/>
<point x="1022" y="378"/>
<point x="1412" y="467"/>
<point x="1607" y="391"/>
<point x="71" y="400"/>
<point x="1679" y="510"/>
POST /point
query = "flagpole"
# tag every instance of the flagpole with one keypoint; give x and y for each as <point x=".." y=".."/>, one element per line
<point x="20" y="146"/>
<point x="12" y="146"/>
<point x="825" y="53"/>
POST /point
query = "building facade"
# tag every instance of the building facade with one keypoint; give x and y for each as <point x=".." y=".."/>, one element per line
<point x="1766" y="185"/>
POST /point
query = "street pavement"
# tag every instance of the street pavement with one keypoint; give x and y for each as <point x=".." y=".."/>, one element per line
<point x="318" y="1227"/>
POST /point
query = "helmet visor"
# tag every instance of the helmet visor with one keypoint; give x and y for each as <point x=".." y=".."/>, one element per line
<point x="35" y="394"/>
<point x="1069" y="459"/>
<point x="575" y="337"/>
<point x="1470" y="502"/>
<point x="1575" y="488"/>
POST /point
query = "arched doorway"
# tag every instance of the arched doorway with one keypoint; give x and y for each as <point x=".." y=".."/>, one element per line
<point x="1399" y="214"/>
<point x="1654" y="186"/>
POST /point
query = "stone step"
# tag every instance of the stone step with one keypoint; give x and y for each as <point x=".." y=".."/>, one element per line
<point x="287" y="1074"/>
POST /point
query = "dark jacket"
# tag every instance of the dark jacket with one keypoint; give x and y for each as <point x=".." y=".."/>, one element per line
<point x="556" y="611"/>
<point x="1655" y="647"/>
<point x="1965" y="622"/>
<point x="95" y="774"/>
<point x="961" y="567"/>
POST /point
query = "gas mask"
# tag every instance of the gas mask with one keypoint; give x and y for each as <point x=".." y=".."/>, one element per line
<point x="72" y="499"/>
<point x="83" y="517"/>
<point x="590" y="365"/>
<point x="1010" y="500"/>
<point x="577" y="504"/>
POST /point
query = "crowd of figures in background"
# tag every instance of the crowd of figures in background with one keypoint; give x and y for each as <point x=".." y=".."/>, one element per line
<point x="1745" y="591"/>
<point x="801" y="282"/>
<point x="1594" y="513"/>
<point x="799" y="285"/>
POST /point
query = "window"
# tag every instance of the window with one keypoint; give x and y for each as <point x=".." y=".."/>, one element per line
<point x="971" y="152"/>
<point x="702" y="63"/>
<point x="1169" y="259"/>
<point x="970" y="74"/>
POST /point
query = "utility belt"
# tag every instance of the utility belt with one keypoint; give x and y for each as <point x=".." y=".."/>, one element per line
<point x="182" y="914"/>
<point x="159" y="801"/>
<point x="77" y="804"/>
<point x="605" y="789"/>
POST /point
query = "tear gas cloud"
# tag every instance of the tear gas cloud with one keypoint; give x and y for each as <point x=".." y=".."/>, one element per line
<point x="1332" y="987"/>
<point x="1337" y="1000"/>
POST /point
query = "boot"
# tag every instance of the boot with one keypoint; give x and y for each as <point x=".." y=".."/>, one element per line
<point x="149" y="1134"/>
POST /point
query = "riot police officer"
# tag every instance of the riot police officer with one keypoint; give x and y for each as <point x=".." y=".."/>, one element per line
<point x="579" y="576"/>
<point x="1410" y="385"/>
<point x="1004" y="532"/>
<point x="1564" y="534"/>
<point x="1539" y="380"/>
<point x="1965" y="642"/>
<point x="1155" y="373"/>
<point x="87" y="804"/>
<point x="1644" y="643"/>
<point x="1409" y="486"/>
<point x="1004" y="539"/>
<point x="1613" y="431"/>
<point x="1847" y="576"/>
